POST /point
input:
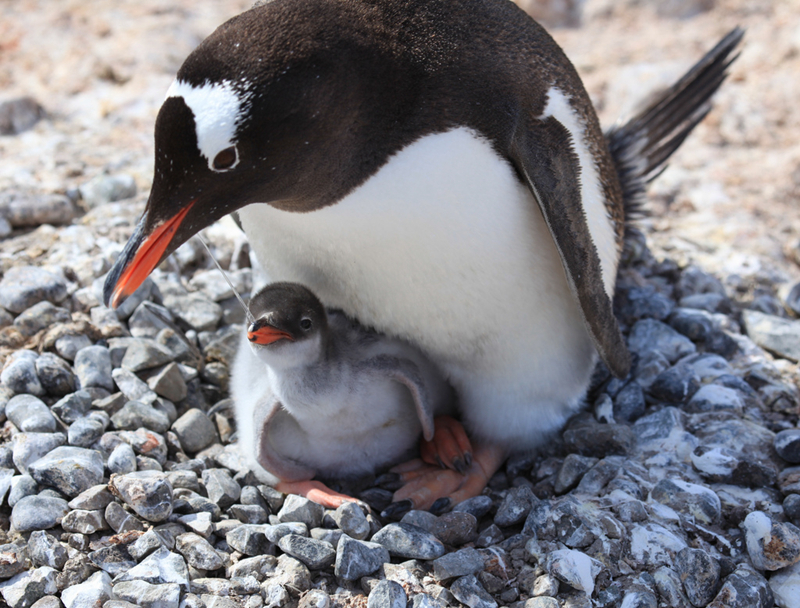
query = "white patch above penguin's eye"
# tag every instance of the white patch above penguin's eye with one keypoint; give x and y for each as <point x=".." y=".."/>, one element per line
<point x="217" y="109"/>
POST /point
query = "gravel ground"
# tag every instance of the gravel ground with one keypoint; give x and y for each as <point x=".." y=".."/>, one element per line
<point x="119" y="484"/>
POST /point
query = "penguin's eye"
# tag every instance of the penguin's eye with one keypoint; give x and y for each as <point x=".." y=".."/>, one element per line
<point x="305" y="324"/>
<point x="226" y="159"/>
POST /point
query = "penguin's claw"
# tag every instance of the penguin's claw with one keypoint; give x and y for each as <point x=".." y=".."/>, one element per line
<point x="426" y="484"/>
<point x="450" y="447"/>
<point x="317" y="492"/>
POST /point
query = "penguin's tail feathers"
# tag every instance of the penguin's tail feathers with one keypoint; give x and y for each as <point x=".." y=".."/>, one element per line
<point x="641" y="147"/>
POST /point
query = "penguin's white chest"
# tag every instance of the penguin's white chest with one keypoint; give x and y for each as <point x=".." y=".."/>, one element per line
<point x="446" y="248"/>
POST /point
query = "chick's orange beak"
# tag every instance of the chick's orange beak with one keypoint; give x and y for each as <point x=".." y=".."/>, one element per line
<point x="266" y="334"/>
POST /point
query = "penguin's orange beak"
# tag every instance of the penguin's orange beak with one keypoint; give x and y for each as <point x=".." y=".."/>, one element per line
<point x="266" y="334"/>
<point x="140" y="257"/>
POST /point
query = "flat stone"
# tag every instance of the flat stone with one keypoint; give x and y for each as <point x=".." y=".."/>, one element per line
<point x="29" y="414"/>
<point x="38" y="513"/>
<point x="30" y="447"/>
<point x="143" y="353"/>
<point x="72" y="407"/>
<point x="148" y="493"/>
<point x="249" y="539"/>
<point x="771" y="545"/>
<point x="94" y="591"/>
<point x="249" y="514"/>
<point x="297" y="508"/>
<point x="24" y="286"/>
<point x="716" y="398"/>
<point x="599" y="440"/>
<point x="411" y="542"/>
<point x="113" y="559"/>
<point x="469" y="591"/>
<point x="135" y="415"/>
<point x="700" y="574"/>
<point x="777" y="335"/>
<point x="93" y="367"/>
<point x="145" y="595"/>
<point x="315" y="554"/>
<point x="83" y="521"/>
<point x="460" y="563"/>
<point x="69" y="469"/>
<point x="195" y="430"/>
<point x="120" y="520"/>
<point x="149" y="319"/>
<point x="198" y="552"/>
<point x="132" y="386"/>
<point x="387" y="594"/>
<point x="200" y="523"/>
<point x="358" y="558"/>
<point x="278" y="531"/>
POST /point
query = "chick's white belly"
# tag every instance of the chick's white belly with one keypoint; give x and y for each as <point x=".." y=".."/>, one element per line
<point x="446" y="248"/>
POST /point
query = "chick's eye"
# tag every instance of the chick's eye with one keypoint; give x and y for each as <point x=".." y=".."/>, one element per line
<point x="225" y="159"/>
<point x="305" y="324"/>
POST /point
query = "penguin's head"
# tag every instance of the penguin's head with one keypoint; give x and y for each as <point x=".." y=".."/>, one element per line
<point x="277" y="106"/>
<point x="290" y="327"/>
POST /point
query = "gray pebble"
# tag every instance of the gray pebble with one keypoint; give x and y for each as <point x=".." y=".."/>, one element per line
<point x="599" y="440"/>
<point x="93" y="367"/>
<point x="120" y="520"/>
<point x="356" y="558"/>
<point x="297" y="508"/>
<point x="135" y="415"/>
<point x="20" y="375"/>
<point x="276" y="532"/>
<point x="249" y="539"/>
<point x="132" y="386"/>
<point x="574" y="568"/>
<point x="145" y="545"/>
<point x="629" y="403"/>
<point x="146" y="595"/>
<point x="421" y="519"/>
<point x="315" y="598"/>
<point x="107" y="189"/>
<point x="21" y="486"/>
<point x="787" y="444"/>
<point x="82" y="521"/>
<point x="404" y="540"/>
<point x="24" y="286"/>
<point x="86" y="431"/>
<point x="692" y="499"/>
<point x="249" y="514"/>
<point x="38" y="513"/>
<point x="149" y="319"/>
<point x="195" y="310"/>
<point x="571" y="471"/>
<point x="94" y="591"/>
<point x="144" y="353"/>
<point x="73" y="406"/>
<point x="700" y="574"/>
<point x="198" y="552"/>
<point x="13" y="559"/>
<point x="387" y="594"/>
<point x="676" y="384"/>
<point x="96" y="497"/>
<point x="352" y="521"/>
<point x="30" y="414"/>
<point x="20" y="114"/>
<point x="744" y="588"/>
<point x="122" y="460"/>
<point x="69" y="345"/>
<point x="315" y="554"/>
<point x="772" y="333"/>
<point x="716" y="398"/>
<point x="114" y="559"/>
<point x="469" y="591"/>
<point x="169" y="383"/>
<point x="771" y="545"/>
<point x="462" y="562"/>
<point x="29" y="447"/>
<point x="791" y="506"/>
<point x="148" y="493"/>
<point x="45" y="550"/>
<point x="455" y="528"/>
<point x="25" y="588"/>
<point x="477" y="506"/>
<point x="69" y="469"/>
<point x="515" y="506"/>
<point x="649" y="334"/>
<point x="221" y="488"/>
<point x="132" y="302"/>
<point x="40" y="316"/>
<point x="195" y="430"/>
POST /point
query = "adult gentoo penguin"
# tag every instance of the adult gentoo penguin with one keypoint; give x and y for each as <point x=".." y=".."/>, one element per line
<point x="327" y="397"/>
<point x="436" y="170"/>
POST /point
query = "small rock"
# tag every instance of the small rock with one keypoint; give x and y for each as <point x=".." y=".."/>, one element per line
<point x="69" y="469"/>
<point x="148" y="493"/>
<point x="357" y="558"/>
<point x="194" y="430"/>
<point x="29" y="447"/>
<point x="787" y="444"/>
<point x="715" y="398"/>
<point x="411" y="542"/>
<point x="297" y="508"/>
<point x="771" y="545"/>
<point x="169" y="383"/>
<point x="195" y="310"/>
<point x="515" y="506"/>
<point x="574" y="568"/>
<point x="221" y="488"/>
<point x="629" y="403"/>
<point x="13" y="560"/>
<point x="45" y="550"/>
<point x="352" y="521"/>
<point x="470" y="592"/>
<point x="249" y="539"/>
<point x="198" y="552"/>
<point x="93" y="592"/>
<point x="600" y="440"/>
<point x="777" y="335"/>
<point x="69" y="345"/>
<point x="120" y="520"/>
<point x="693" y="499"/>
<point x="455" y="528"/>
<point x="83" y="521"/>
<point x="315" y="554"/>
<point x="571" y="471"/>
<point x="791" y="506"/>
<point x="93" y="367"/>
<point x="113" y="559"/>
<point x="135" y="415"/>
<point x="700" y="574"/>
<point x="743" y="589"/>
<point x="107" y="189"/>
<point x="785" y="586"/>
<point x="122" y="460"/>
<point x="22" y="590"/>
<point x="676" y="384"/>
<point x="38" y="317"/>
<point x="96" y="497"/>
<point x="73" y="406"/>
<point x="478" y="506"/>
<point x="20" y="375"/>
<point x="387" y="594"/>
<point x="30" y="414"/>
<point x="461" y="563"/>
<point x="38" y="513"/>
<point x="143" y="353"/>
<point x="653" y="545"/>
<point x="24" y="286"/>
<point x="19" y="114"/>
<point x="86" y="431"/>
<point x="132" y="386"/>
<point x="146" y="595"/>
<point x="649" y="335"/>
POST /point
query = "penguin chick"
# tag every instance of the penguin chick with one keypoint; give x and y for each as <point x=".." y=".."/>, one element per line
<point x="332" y="398"/>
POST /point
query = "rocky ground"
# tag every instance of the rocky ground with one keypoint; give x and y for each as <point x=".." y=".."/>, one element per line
<point x="679" y="486"/>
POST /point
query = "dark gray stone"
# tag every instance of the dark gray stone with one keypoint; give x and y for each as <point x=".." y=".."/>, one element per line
<point x="24" y="286"/>
<point x="120" y="520"/>
<point x="700" y="574"/>
<point x="700" y="502"/>
<point x="69" y="469"/>
<point x="221" y="488"/>
<point x="771" y="545"/>
<point x="122" y="460"/>
<point x="86" y="431"/>
<point x="478" y="506"/>
<point x="195" y="310"/>
<point x="772" y="333"/>
<point x="352" y="521"/>
<point x="787" y="444"/>
<point x="744" y="588"/>
<point x="249" y="539"/>
<point x="315" y="554"/>
<point x="30" y="414"/>
<point x="20" y="114"/>
<point x="13" y="559"/>
<point x="82" y="521"/>
<point x="469" y="591"/>
<point x="649" y="334"/>
<point x="143" y="353"/>
<point x="69" y="345"/>
<point x="411" y="542"/>
<point x="21" y="486"/>
<point x="357" y="558"/>
<point x="135" y="415"/>
<point x="791" y="506"/>
<point x="675" y="385"/>
<point x="297" y="508"/>
<point x="599" y="440"/>
<point x="198" y="552"/>
<point x="40" y="316"/>
<point x="29" y="447"/>
<point x="455" y="528"/>
<point x="38" y="513"/>
<point x="169" y="383"/>
<point x="93" y="367"/>
<point x="107" y="189"/>
<point x="515" y="506"/>
<point x="148" y="493"/>
<point x="19" y="374"/>
<point x="571" y="471"/>
<point x="45" y="550"/>
<point x="249" y="514"/>
<point x="73" y="406"/>
<point x="195" y="430"/>
<point x="132" y="386"/>
<point x="629" y="403"/>
<point x="461" y="563"/>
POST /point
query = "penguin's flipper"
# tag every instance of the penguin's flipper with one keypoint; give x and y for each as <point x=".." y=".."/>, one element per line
<point x="407" y="373"/>
<point x="545" y="156"/>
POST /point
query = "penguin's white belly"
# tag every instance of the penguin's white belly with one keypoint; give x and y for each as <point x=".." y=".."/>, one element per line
<point x="446" y="248"/>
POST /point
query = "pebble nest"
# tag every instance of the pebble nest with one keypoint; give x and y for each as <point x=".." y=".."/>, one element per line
<point x="121" y="483"/>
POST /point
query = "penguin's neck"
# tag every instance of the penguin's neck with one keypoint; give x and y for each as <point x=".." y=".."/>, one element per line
<point x="294" y="357"/>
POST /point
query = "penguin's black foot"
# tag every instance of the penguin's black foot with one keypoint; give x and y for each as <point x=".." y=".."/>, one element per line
<point x="317" y="492"/>
<point x="426" y="485"/>
<point x="450" y="447"/>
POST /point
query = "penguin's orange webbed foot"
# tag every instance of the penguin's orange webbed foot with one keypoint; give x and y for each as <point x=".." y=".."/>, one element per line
<point x="426" y="486"/>
<point x="315" y="491"/>
<point x="450" y="447"/>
